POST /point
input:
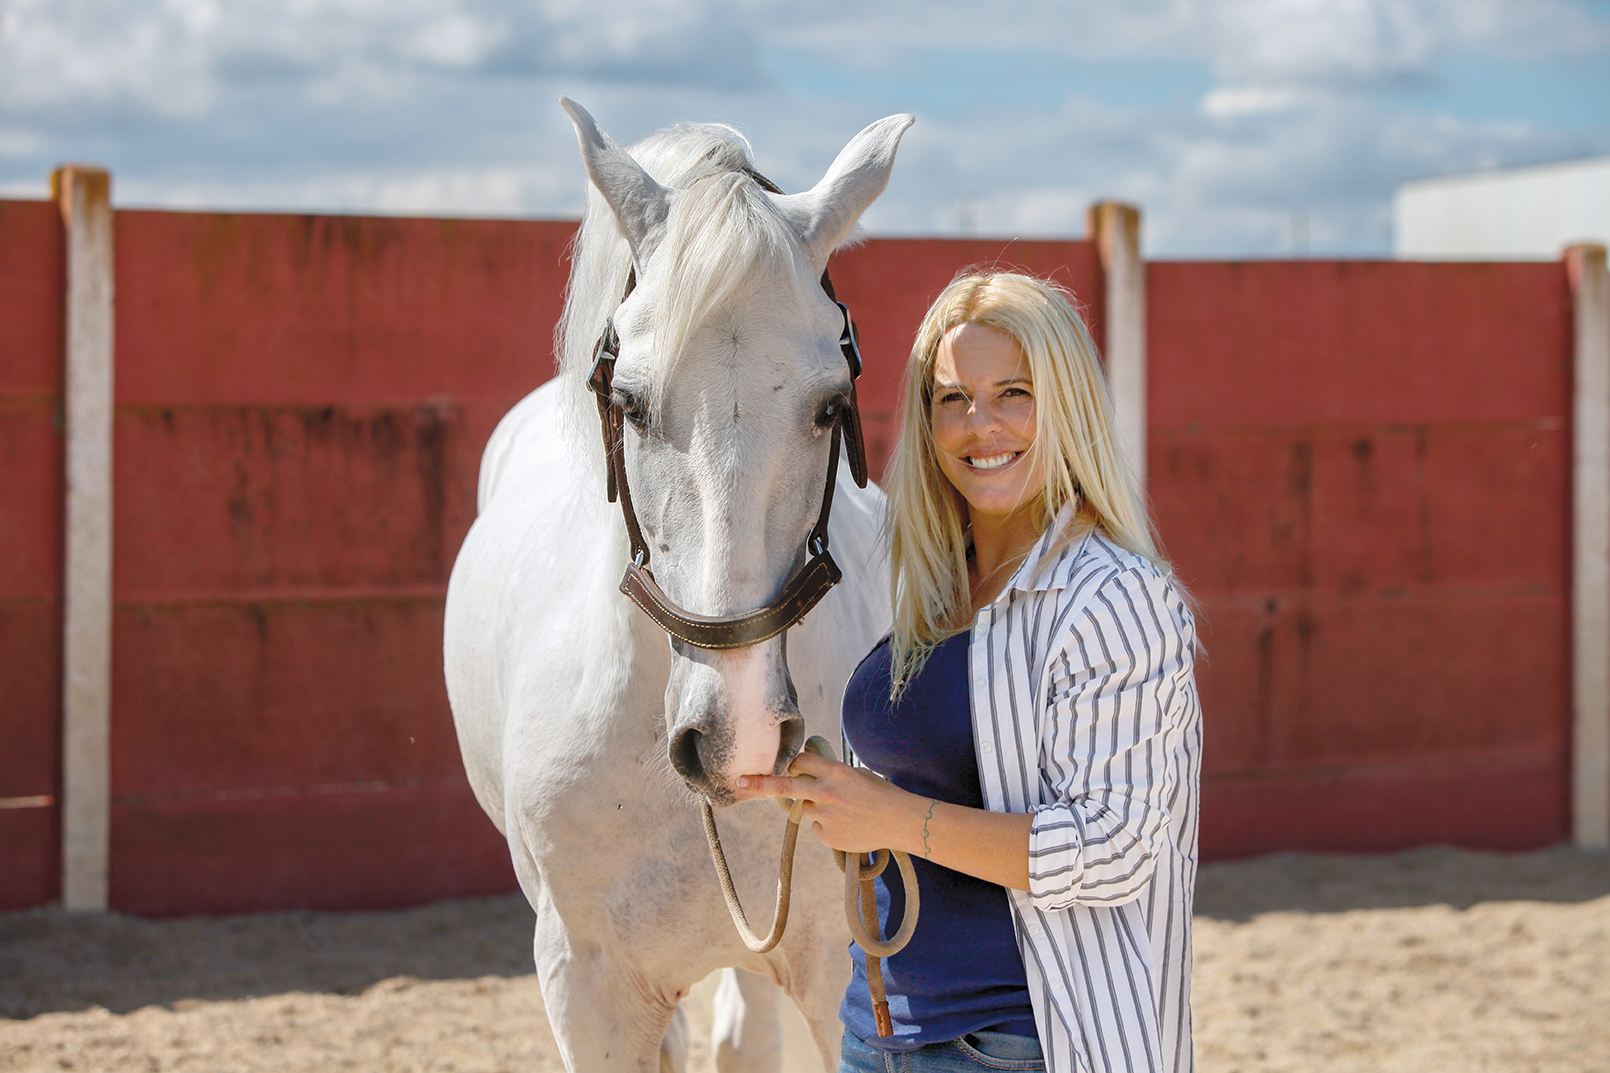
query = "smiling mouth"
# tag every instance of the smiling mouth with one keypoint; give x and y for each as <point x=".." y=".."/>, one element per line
<point x="989" y="462"/>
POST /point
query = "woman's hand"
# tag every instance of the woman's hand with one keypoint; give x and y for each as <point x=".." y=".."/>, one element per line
<point x="848" y="808"/>
<point x="853" y="810"/>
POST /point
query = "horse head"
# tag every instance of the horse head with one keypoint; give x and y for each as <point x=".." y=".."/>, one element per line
<point x="729" y="384"/>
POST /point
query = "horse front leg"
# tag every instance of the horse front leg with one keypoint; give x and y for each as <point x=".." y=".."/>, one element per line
<point x="674" y="1044"/>
<point x="746" y="1033"/>
<point x="606" y="1017"/>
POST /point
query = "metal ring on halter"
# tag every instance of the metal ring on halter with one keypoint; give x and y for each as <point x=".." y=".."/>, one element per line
<point x="848" y="343"/>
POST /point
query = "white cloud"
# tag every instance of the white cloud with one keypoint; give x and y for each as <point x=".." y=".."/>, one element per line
<point x="1338" y="43"/>
<point x="55" y="52"/>
<point x="447" y="105"/>
<point x="453" y="41"/>
<point x="1228" y="102"/>
<point x="176" y="55"/>
<point x="16" y="142"/>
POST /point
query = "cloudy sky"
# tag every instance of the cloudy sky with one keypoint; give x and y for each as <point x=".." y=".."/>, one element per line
<point x="1241" y="127"/>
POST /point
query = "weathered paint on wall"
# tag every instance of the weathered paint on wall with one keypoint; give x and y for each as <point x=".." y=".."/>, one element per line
<point x="32" y="292"/>
<point x="1362" y="471"/>
<point x="302" y="402"/>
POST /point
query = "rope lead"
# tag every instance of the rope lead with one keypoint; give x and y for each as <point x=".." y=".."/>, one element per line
<point x="860" y="897"/>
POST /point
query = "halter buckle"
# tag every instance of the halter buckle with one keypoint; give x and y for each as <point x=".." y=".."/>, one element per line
<point x="601" y="380"/>
<point x="848" y="343"/>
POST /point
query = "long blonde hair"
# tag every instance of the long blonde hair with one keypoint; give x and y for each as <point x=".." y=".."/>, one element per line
<point x="1080" y="455"/>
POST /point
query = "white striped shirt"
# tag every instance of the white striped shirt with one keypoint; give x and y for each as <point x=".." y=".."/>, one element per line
<point x="1085" y="713"/>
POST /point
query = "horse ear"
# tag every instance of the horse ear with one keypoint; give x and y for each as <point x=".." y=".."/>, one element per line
<point x="825" y="214"/>
<point x="640" y="203"/>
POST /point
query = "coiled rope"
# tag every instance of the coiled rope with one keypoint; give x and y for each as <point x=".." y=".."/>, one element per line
<point x="860" y="898"/>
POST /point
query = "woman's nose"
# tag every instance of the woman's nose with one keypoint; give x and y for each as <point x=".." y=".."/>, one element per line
<point x="984" y="417"/>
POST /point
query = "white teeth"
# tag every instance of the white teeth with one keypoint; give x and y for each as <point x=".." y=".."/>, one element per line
<point x="992" y="462"/>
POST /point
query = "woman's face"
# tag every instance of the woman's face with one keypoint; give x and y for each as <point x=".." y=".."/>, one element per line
<point x="983" y="421"/>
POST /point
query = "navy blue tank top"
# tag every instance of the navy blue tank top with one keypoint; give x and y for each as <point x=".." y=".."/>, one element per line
<point x="962" y="971"/>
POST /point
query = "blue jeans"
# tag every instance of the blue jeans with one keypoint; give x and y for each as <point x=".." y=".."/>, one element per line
<point x="970" y="1054"/>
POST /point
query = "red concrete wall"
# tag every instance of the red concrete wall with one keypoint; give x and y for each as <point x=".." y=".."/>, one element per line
<point x="32" y="280"/>
<point x="301" y="405"/>
<point x="1362" y="470"/>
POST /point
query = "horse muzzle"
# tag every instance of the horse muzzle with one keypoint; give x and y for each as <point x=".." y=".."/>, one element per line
<point x="732" y="714"/>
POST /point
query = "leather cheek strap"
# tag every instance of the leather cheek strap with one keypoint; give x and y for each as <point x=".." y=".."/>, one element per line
<point x="851" y="422"/>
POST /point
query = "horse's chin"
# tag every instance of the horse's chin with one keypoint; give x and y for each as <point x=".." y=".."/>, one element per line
<point x="718" y="796"/>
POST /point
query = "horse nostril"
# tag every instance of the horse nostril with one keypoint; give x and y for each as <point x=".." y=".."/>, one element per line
<point x="790" y="738"/>
<point x="685" y="755"/>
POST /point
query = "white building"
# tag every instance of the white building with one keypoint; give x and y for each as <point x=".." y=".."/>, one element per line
<point x="1514" y="213"/>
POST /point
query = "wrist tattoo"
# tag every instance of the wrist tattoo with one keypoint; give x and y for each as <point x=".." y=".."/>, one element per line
<point x="930" y="815"/>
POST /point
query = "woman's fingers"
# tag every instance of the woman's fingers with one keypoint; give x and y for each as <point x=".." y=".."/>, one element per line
<point x="848" y="809"/>
<point x="812" y="765"/>
<point x="805" y="769"/>
<point x="767" y="786"/>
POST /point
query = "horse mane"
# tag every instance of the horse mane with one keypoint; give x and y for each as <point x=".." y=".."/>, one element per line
<point x="721" y="232"/>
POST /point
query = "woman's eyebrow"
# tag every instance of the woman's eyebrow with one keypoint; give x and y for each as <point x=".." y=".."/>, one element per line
<point x="940" y="385"/>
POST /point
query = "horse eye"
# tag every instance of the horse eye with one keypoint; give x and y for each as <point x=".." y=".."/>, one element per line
<point x="632" y="409"/>
<point x="831" y="411"/>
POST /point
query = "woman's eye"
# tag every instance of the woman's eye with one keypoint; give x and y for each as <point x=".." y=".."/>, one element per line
<point x="952" y="398"/>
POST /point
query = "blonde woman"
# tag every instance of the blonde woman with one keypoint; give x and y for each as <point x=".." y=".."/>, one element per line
<point x="1033" y="717"/>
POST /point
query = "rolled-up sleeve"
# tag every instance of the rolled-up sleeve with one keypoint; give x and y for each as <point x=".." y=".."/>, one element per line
<point x="1111" y="725"/>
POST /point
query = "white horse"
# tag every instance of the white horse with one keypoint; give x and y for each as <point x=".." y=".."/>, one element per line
<point x="585" y="734"/>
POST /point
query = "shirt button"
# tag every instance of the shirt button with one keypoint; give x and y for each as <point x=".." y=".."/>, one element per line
<point x="1034" y="929"/>
<point x="1056" y="985"/>
<point x="988" y="748"/>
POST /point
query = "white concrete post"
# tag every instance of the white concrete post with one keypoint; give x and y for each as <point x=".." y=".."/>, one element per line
<point x="1115" y="228"/>
<point x="83" y="195"/>
<point x="1590" y="573"/>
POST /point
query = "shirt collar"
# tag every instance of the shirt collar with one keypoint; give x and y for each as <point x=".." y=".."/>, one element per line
<point x="1035" y="573"/>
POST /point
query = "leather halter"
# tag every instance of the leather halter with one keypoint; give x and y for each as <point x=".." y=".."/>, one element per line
<point x="808" y="584"/>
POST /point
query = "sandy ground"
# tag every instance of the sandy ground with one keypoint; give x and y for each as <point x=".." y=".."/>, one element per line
<point x="1435" y="960"/>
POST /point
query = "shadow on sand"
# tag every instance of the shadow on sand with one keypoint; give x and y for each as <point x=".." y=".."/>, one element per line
<point x="51" y="960"/>
<point x="1436" y="875"/>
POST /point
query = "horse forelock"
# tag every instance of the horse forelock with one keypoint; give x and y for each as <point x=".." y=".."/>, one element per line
<point x="723" y="237"/>
<point x="722" y="234"/>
